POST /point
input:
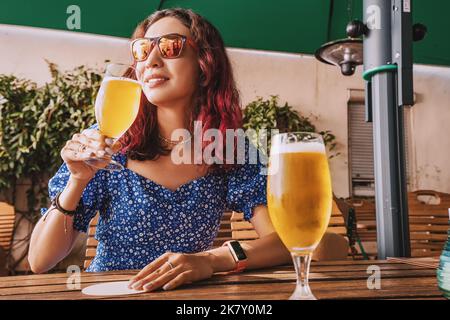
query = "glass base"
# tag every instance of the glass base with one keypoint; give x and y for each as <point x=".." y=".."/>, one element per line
<point x="104" y="164"/>
<point x="302" y="293"/>
<point x="302" y="262"/>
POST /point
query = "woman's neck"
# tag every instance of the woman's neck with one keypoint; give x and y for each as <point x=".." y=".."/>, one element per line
<point x="171" y="118"/>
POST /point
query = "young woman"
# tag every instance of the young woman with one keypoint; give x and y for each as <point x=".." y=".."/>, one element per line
<point x="156" y="215"/>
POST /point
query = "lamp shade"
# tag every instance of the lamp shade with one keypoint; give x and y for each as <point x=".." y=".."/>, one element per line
<point x="344" y="53"/>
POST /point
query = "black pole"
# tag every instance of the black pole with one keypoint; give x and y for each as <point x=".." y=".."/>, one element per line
<point x="388" y="70"/>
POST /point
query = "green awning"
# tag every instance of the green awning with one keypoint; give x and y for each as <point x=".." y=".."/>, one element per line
<point x="298" y="26"/>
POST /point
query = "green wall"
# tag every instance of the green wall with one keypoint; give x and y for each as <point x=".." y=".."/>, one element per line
<point x="278" y="25"/>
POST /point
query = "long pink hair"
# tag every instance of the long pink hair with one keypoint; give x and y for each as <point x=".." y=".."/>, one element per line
<point x="218" y="102"/>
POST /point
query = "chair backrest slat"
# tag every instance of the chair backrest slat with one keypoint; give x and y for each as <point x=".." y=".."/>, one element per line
<point x="7" y="221"/>
<point x="428" y="221"/>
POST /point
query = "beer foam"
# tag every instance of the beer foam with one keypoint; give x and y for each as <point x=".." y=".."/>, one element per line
<point x="109" y="78"/>
<point x="297" y="147"/>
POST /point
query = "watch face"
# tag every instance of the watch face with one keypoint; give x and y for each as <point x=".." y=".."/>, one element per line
<point x="240" y="254"/>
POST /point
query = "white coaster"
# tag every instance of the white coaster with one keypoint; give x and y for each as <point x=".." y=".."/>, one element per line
<point x="110" y="289"/>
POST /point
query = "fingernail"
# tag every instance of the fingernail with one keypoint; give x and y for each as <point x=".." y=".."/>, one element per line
<point x="100" y="153"/>
<point x="136" y="285"/>
<point x="130" y="284"/>
<point x="147" y="286"/>
<point x="167" y="287"/>
<point x="109" y="141"/>
<point x="109" y="151"/>
<point x="117" y="144"/>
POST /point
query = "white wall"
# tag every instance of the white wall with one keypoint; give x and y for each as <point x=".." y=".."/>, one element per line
<point x="311" y="87"/>
<point x="430" y="124"/>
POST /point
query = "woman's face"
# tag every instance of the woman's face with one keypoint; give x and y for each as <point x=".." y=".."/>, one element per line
<point x="180" y="74"/>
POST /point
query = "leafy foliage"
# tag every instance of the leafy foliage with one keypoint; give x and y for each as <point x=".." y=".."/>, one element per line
<point x="36" y="122"/>
<point x="269" y="115"/>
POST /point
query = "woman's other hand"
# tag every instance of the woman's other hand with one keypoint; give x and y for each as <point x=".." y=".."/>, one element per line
<point x="172" y="270"/>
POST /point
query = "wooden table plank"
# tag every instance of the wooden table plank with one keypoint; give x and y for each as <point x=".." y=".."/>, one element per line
<point x="352" y="264"/>
<point x="329" y="280"/>
<point x="316" y="268"/>
<point x="356" y="289"/>
<point x="274" y="274"/>
<point x="59" y="284"/>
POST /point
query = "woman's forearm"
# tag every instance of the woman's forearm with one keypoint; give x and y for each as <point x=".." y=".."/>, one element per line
<point x="261" y="253"/>
<point x="53" y="236"/>
<point x="267" y="251"/>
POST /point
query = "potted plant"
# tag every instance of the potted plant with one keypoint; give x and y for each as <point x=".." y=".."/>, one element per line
<point x="268" y="115"/>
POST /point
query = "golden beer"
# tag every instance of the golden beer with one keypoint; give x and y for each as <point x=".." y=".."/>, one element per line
<point x="117" y="105"/>
<point x="299" y="194"/>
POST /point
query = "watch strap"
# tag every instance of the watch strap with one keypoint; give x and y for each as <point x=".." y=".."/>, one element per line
<point x="241" y="265"/>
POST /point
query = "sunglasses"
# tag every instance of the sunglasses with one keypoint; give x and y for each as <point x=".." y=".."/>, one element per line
<point x="170" y="46"/>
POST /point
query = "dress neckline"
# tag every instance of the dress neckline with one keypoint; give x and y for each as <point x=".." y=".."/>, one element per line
<point x="124" y="159"/>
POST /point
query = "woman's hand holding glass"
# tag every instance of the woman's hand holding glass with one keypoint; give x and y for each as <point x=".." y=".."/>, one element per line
<point x="83" y="146"/>
<point x="171" y="270"/>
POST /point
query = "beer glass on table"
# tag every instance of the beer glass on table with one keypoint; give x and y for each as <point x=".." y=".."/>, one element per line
<point x="299" y="198"/>
<point x="116" y="107"/>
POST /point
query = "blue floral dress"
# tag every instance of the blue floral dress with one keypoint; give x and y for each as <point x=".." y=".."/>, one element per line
<point x="141" y="219"/>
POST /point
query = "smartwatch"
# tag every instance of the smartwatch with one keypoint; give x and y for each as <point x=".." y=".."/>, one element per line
<point x="238" y="254"/>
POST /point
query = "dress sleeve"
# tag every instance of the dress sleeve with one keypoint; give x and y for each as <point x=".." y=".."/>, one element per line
<point x="92" y="199"/>
<point x="247" y="184"/>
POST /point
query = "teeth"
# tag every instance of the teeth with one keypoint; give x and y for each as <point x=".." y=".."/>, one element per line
<point x="156" y="80"/>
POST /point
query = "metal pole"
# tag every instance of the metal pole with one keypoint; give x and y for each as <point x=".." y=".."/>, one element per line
<point x="387" y="115"/>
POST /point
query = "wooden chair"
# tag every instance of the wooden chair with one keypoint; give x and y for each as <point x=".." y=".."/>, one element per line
<point x="365" y="216"/>
<point x="91" y="242"/>
<point x="7" y="220"/>
<point x="428" y="222"/>
<point x="233" y="226"/>
<point x="345" y="221"/>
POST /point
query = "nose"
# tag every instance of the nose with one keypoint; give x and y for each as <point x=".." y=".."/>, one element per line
<point x="154" y="59"/>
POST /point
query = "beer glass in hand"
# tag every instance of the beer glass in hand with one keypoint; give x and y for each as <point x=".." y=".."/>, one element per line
<point x="116" y="107"/>
<point x="299" y="198"/>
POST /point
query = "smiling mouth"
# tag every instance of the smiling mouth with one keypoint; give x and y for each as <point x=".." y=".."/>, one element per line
<point x="153" y="82"/>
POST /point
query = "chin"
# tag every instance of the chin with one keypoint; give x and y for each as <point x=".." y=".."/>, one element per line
<point x="155" y="97"/>
<point x="161" y="96"/>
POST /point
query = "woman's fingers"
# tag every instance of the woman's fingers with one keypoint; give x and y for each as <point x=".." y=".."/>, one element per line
<point x="70" y="154"/>
<point x="170" y="271"/>
<point x="159" y="278"/>
<point x="94" y="139"/>
<point x="182" y="278"/>
<point x="116" y="146"/>
<point x="94" y="143"/>
<point x="97" y="137"/>
<point x="112" y="147"/>
<point x="76" y="151"/>
<point x="93" y="134"/>
<point x="149" y="269"/>
<point x="91" y="141"/>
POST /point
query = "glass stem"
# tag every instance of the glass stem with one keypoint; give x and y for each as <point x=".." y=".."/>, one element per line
<point x="302" y="263"/>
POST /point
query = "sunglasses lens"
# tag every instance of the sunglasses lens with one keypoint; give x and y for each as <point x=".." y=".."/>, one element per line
<point x="170" y="46"/>
<point x="141" y="49"/>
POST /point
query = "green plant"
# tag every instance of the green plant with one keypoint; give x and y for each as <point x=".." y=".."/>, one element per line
<point x="269" y="115"/>
<point x="35" y="123"/>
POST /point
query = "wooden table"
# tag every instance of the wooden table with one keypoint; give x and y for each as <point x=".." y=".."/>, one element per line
<point x="329" y="280"/>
